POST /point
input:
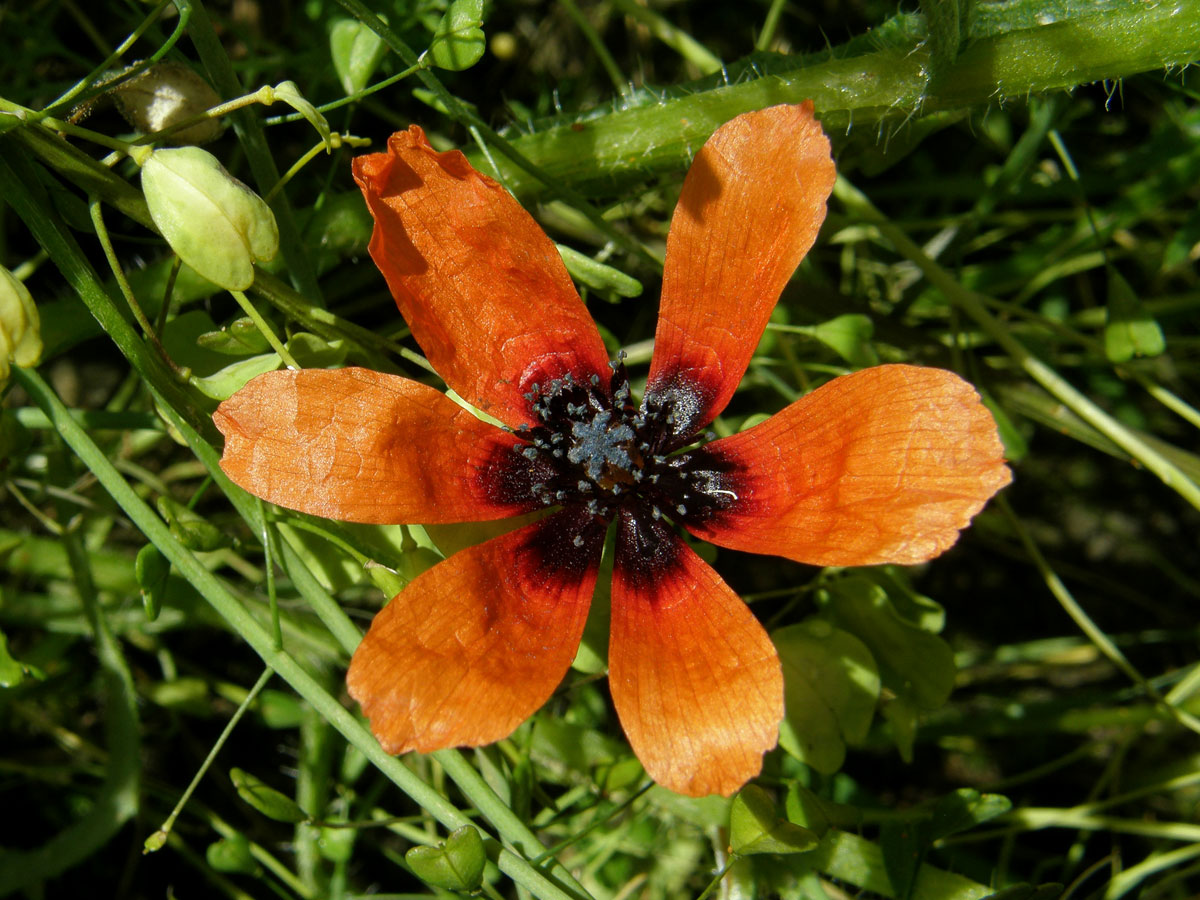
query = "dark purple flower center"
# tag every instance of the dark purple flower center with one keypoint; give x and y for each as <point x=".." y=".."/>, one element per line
<point x="594" y="453"/>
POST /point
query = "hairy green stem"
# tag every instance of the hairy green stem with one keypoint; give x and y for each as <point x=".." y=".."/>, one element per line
<point x="872" y="92"/>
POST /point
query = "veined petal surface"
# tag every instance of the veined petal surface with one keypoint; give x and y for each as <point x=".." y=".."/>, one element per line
<point x="885" y="465"/>
<point x="475" y="645"/>
<point x="484" y="290"/>
<point x="750" y="209"/>
<point x="361" y="446"/>
<point x="695" y="679"/>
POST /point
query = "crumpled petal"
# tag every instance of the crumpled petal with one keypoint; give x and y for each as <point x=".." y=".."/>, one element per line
<point x="695" y="679"/>
<point x="475" y="645"/>
<point x="750" y="209"/>
<point x="361" y="446"/>
<point x="885" y="465"/>
<point x="484" y="290"/>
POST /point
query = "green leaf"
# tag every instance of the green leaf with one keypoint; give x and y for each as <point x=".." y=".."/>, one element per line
<point x="901" y="714"/>
<point x="224" y="383"/>
<point x="848" y="336"/>
<point x="231" y="855"/>
<point x="923" y="612"/>
<point x="187" y="695"/>
<point x="190" y="528"/>
<point x="459" y="42"/>
<point x="597" y="275"/>
<point x="151" y="570"/>
<point x="241" y="337"/>
<point x="181" y="338"/>
<point x="806" y="809"/>
<point x="912" y="662"/>
<point x="337" y="844"/>
<point x="755" y="827"/>
<point x="12" y="672"/>
<point x="964" y="809"/>
<point x="266" y="799"/>
<point x="290" y="94"/>
<point x="1016" y="448"/>
<point x="1183" y="247"/>
<point x="356" y="52"/>
<point x="1131" y="330"/>
<point x="313" y="352"/>
<point x="903" y="845"/>
<point x="456" y="864"/>
<point x="280" y="709"/>
<point x="831" y="687"/>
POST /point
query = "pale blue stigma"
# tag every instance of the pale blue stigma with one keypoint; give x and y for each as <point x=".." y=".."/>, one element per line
<point x="596" y="446"/>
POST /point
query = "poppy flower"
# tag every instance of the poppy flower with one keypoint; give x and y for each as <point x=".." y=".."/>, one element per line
<point x="883" y="465"/>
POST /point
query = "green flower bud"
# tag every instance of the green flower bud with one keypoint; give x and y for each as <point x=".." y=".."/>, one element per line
<point x="20" y="328"/>
<point x="216" y="224"/>
<point x="164" y="95"/>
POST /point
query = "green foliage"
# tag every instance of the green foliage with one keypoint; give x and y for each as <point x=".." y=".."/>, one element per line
<point x="949" y="733"/>
<point x="356" y="52"/>
<point x="831" y="686"/>
<point x="755" y="827"/>
<point x="458" y="43"/>
<point x="455" y="864"/>
<point x="264" y="798"/>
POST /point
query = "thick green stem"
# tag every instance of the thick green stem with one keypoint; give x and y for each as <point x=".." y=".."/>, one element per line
<point x="865" y="93"/>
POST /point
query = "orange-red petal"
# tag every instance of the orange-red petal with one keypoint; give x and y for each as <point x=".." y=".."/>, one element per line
<point x="695" y="679"/>
<point x="484" y="290"/>
<point x="750" y="209"/>
<point x="475" y="645"/>
<point x="884" y="465"/>
<point x="361" y="446"/>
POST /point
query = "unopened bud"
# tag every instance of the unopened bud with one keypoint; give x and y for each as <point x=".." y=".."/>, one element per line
<point x="166" y="94"/>
<point x="20" y="328"/>
<point x="216" y="224"/>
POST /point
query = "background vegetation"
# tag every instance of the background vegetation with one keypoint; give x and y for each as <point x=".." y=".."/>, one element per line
<point x="1018" y="202"/>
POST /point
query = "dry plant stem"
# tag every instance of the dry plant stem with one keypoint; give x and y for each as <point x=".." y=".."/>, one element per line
<point x="975" y="306"/>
